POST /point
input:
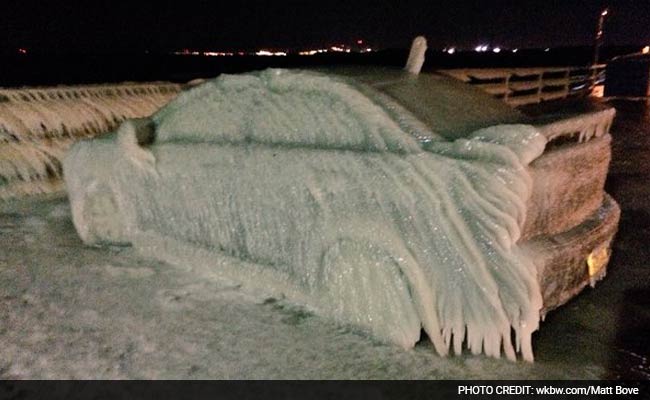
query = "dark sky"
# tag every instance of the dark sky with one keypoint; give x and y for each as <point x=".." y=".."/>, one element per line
<point x="95" y="26"/>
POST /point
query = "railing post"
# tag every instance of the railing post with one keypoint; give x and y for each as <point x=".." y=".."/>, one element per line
<point x="567" y="82"/>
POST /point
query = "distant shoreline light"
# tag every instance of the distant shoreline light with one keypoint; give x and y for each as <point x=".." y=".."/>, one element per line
<point x="270" y="53"/>
<point x="338" y="48"/>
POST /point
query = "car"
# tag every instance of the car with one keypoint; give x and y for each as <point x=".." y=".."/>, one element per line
<point x="383" y="199"/>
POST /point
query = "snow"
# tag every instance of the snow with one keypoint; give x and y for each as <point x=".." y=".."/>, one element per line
<point x="305" y="187"/>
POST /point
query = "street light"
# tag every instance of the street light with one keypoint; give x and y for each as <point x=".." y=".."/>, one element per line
<point x="598" y="41"/>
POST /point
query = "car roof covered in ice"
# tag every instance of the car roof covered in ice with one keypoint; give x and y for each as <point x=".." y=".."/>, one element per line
<point x="343" y="108"/>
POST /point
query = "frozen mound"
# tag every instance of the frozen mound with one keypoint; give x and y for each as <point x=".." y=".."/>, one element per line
<point x="322" y="191"/>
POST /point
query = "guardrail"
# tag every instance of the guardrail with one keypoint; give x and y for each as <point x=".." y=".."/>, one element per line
<point x="519" y="86"/>
<point x="38" y="125"/>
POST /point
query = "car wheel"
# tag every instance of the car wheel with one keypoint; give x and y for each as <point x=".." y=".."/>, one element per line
<point x="102" y="216"/>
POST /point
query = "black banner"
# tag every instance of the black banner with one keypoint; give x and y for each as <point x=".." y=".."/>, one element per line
<point x="339" y="390"/>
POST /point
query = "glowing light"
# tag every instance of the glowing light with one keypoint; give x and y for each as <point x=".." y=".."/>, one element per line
<point x="496" y="50"/>
<point x="451" y="50"/>
<point x="22" y="51"/>
<point x="605" y="12"/>
<point x="359" y="41"/>
<point x="645" y="50"/>
<point x="217" y="54"/>
<point x="515" y="50"/>
<point x="596" y="262"/>
<point x="547" y="49"/>
<point x="481" y="48"/>
<point x="598" y="91"/>
<point x="270" y="53"/>
<point x="311" y="52"/>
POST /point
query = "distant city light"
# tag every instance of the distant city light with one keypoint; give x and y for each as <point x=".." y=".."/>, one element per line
<point x="218" y="54"/>
<point x="188" y="52"/>
<point x="316" y="51"/>
<point x="547" y="49"/>
<point x="22" y="51"/>
<point x="359" y="41"/>
<point x="515" y="50"/>
<point x="270" y="53"/>
<point x="645" y="50"/>
<point x="497" y="49"/>
<point x="451" y="50"/>
<point x="605" y="12"/>
<point x="340" y="49"/>
<point x="481" y="48"/>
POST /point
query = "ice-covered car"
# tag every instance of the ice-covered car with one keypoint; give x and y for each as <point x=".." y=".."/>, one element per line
<point x="389" y="201"/>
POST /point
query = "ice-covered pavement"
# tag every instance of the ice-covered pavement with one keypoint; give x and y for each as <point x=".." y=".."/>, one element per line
<point x="70" y="311"/>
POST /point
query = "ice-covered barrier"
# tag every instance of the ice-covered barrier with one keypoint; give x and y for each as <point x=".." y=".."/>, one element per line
<point x="328" y="193"/>
<point x="583" y="127"/>
<point x="37" y="126"/>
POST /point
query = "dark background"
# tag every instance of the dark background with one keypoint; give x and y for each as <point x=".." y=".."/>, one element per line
<point x="69" y="42"/>
<point x="118" y="26"/>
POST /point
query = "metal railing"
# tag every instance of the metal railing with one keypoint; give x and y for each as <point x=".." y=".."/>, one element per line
<point x="519" y="86"/>
<point x="38" y="125"/>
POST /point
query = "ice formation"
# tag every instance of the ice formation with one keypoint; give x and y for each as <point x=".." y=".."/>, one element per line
<point x="325" y="193"/>
<point x="38" y="125"/>
<point x="585" y="127"/>
<point x="416" y="55"/>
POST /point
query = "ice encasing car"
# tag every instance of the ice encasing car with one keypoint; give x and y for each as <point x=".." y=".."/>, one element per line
<point x="385" y="200"/>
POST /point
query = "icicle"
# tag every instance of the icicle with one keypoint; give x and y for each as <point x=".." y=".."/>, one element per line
<point x="590" y="125"/>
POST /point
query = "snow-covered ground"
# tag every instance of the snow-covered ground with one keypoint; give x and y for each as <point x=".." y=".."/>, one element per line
<point x="71" y="311"/>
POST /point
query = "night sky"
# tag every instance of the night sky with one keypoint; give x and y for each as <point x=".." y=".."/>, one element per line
<point x="114" y="26"/>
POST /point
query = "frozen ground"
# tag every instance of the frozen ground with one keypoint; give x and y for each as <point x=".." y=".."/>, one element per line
<point x="69" y="311"/>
